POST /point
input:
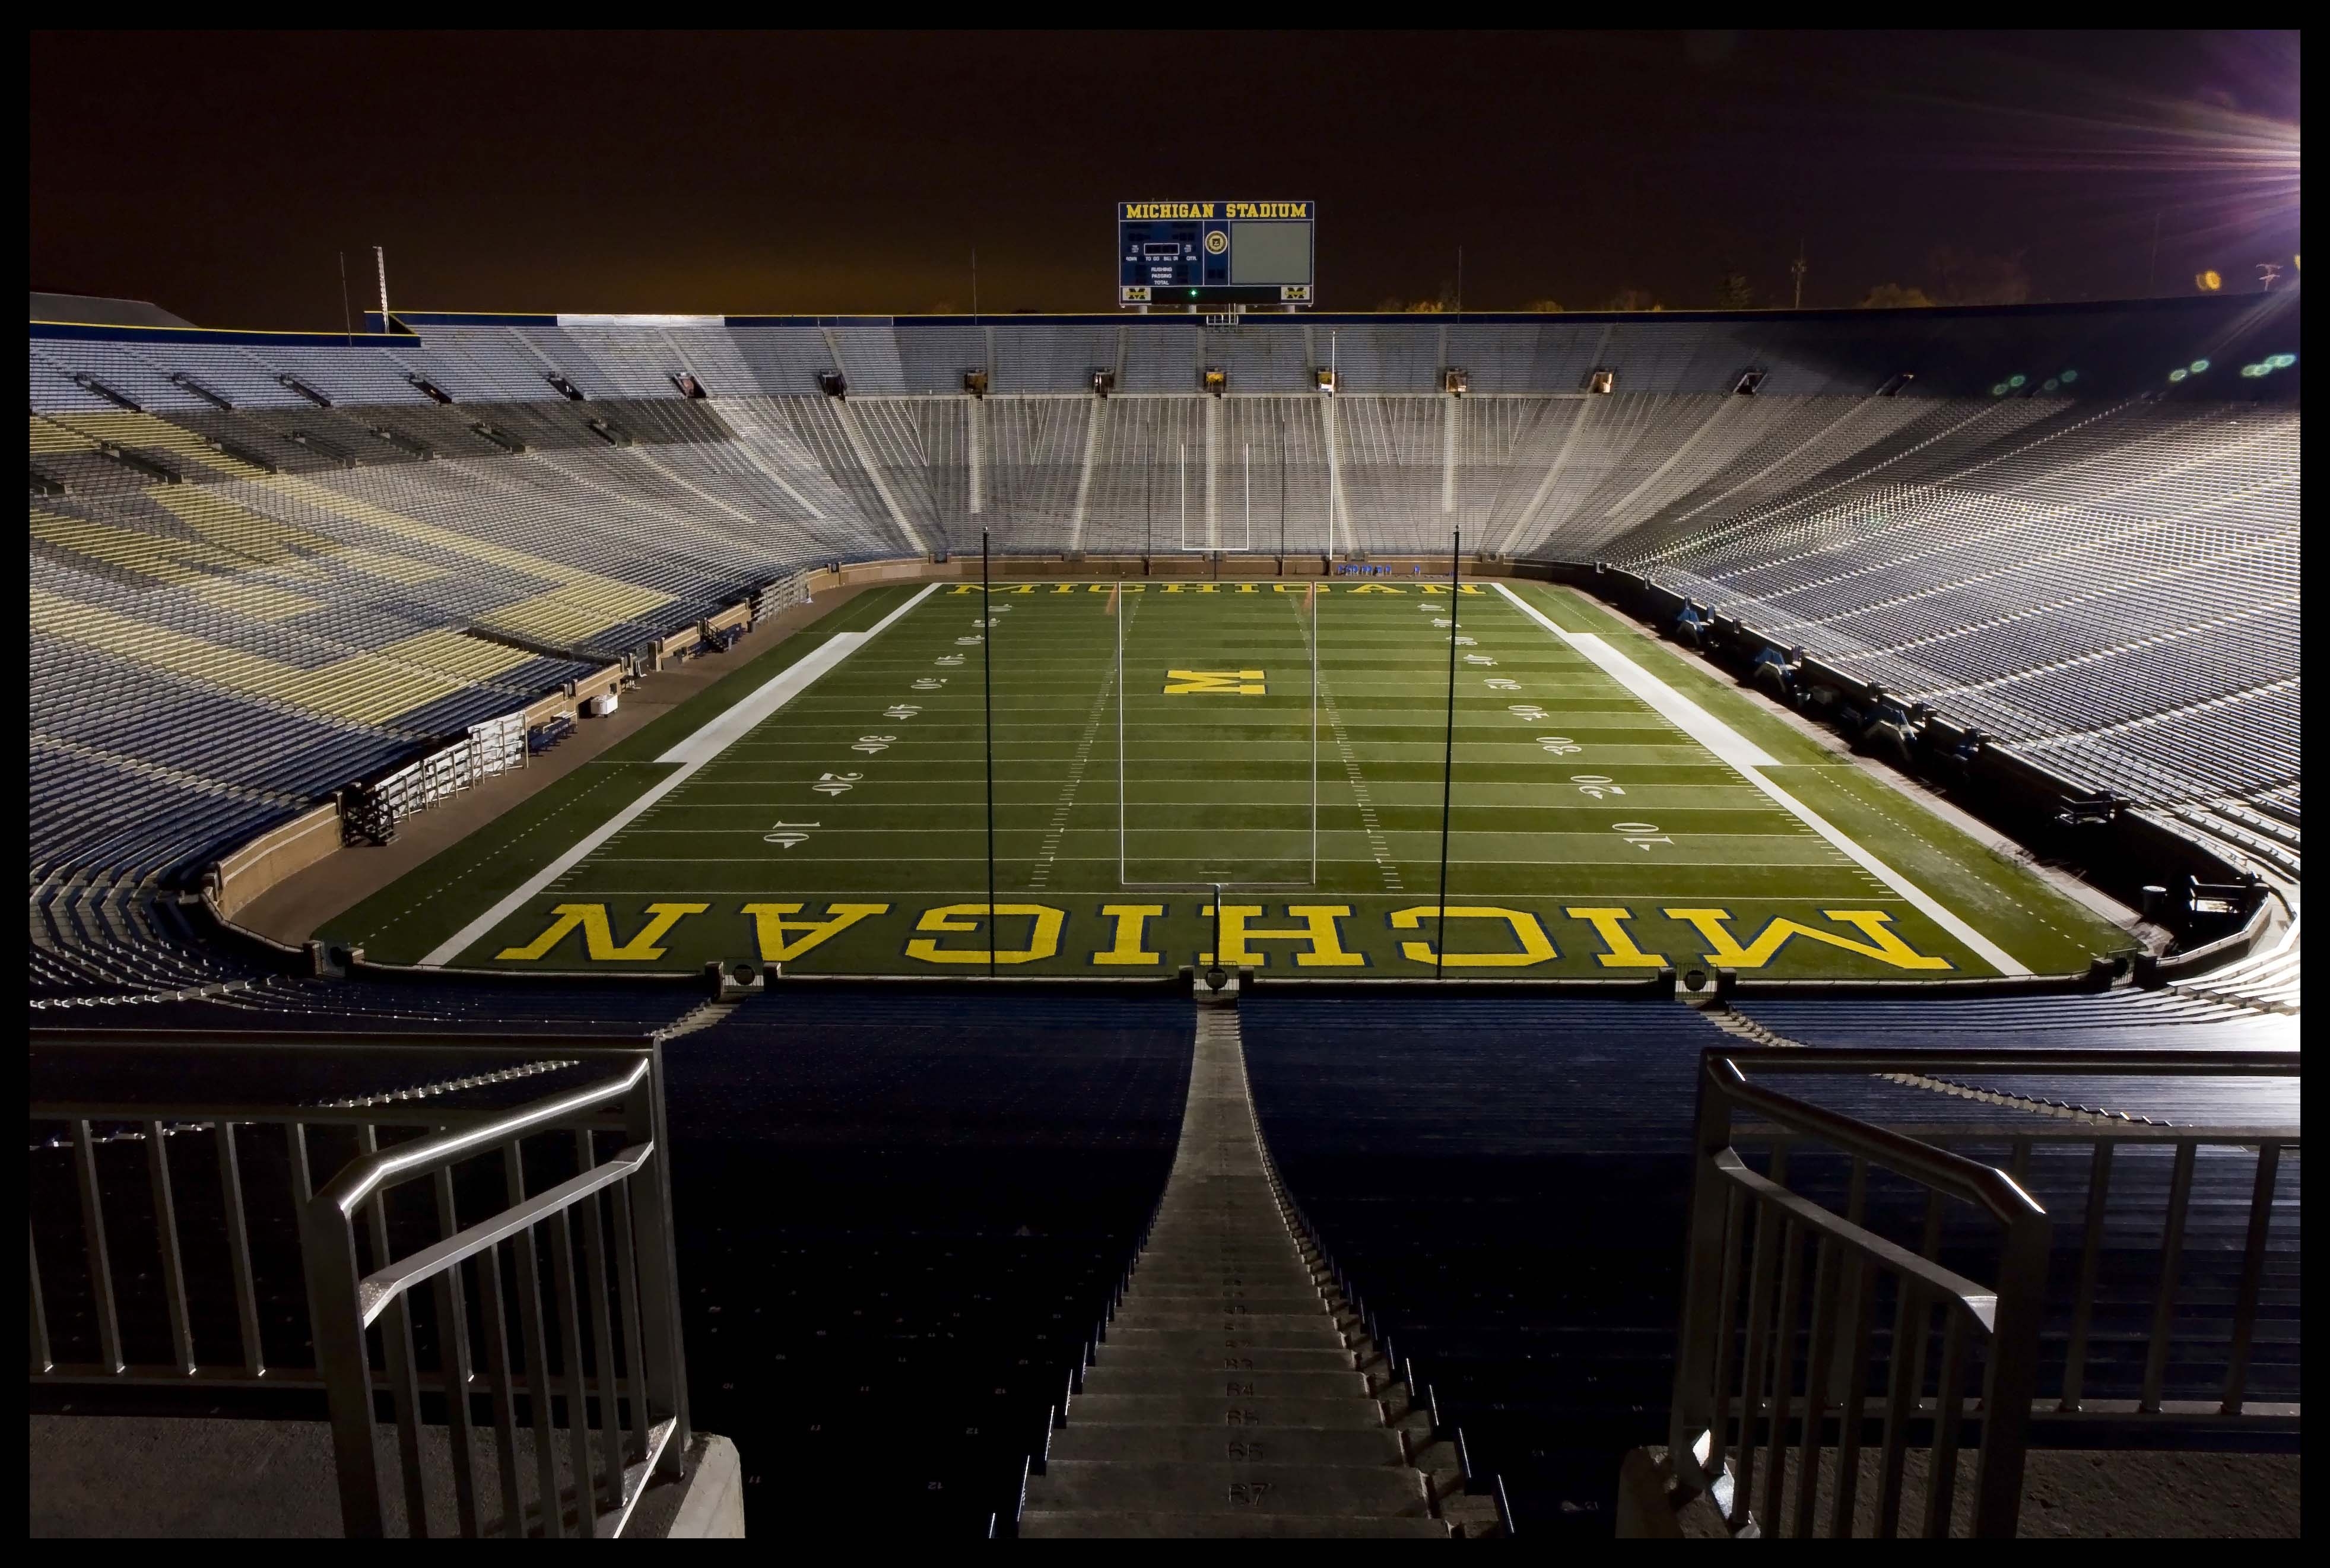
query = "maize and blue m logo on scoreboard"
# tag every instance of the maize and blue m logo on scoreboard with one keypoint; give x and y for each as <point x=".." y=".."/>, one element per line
<point x="1214" y="252"/>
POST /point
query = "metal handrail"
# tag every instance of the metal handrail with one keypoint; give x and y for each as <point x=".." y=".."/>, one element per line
<point x="1715" y="1383"/>
<point x="377" y="1290"/>
<point x="2000" y="1194"/>
<point x="219" y="1130"/>
<point x="361" y="1179"/>
<point x="609" y="1466"/>
<point x="1980" y="1304"/>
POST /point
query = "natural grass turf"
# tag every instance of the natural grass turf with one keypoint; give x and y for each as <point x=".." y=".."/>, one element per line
<point x="1219" y="787"/>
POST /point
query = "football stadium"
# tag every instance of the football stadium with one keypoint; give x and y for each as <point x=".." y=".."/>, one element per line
<point x="1199" y="915"/>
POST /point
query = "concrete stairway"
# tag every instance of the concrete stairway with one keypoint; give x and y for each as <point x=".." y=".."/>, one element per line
<point x="1234" y="1394"/>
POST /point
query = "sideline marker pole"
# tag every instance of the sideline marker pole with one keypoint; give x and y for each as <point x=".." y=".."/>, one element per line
<point x="987" y="684"/>
<point x="1448" y="756"/>
<point x="1119" y="737"/>
<point x="1310" y="616"/>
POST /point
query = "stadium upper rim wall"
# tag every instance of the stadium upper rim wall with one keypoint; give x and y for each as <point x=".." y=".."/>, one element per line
<point x="2122" y="347"/>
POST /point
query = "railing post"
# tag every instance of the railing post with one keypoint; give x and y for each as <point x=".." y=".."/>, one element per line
<point x="2011" y="1377"/>
<point x="2253" y="1255"/>
<point x="327" y="1241"/>
<point x="666" y="1379"/>
<point x="1703" y="1265"/>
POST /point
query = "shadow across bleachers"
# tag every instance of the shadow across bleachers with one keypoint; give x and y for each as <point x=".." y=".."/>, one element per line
<point x="1505" y="1182"/>
<point x="901" y="1216"/>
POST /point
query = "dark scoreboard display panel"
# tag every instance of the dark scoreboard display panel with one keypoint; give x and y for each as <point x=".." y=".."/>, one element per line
<point x="1214" y="253"/>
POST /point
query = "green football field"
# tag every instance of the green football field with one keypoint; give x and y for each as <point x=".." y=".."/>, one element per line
<point x="1615" y="808"/>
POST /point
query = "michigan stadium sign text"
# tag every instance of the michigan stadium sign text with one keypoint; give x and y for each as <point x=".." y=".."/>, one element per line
<point x="1198" y="212"/>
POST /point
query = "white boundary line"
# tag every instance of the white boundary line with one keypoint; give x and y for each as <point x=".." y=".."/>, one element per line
<point x="691" y="754"/>
<point x="1749" y="760"/>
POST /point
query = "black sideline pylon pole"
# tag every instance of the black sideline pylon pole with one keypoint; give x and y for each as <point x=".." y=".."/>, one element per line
<point x="987" y="684"/>
<point x="1448" y="756"/>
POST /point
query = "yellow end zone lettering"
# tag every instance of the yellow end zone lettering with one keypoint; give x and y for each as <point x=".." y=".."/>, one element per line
<point x="1043" y="940"/>
<point x="1320" y="933"/>
<point x="1127" y="945"/>
<point x="598" y="936"/>
<point x="1882" y="945"/>
<point x="782" y="940"/>
<point x="1620" y="951"/>
<point x="1535" y="945"/>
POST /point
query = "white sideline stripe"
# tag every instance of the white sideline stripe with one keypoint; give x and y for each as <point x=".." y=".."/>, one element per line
<point x="1744" y="755"/>
<point x="691" y="754"/>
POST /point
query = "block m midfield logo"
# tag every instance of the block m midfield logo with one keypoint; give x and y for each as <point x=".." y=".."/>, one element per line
<point x="1214" y="683"/>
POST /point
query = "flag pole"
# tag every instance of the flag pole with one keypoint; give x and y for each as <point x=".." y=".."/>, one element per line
<point x="1448" y="755"/>
<point x="987" y="684"/>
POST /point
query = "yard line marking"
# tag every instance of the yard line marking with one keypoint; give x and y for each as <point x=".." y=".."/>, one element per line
<point x="691" y="754"/>
<point x="1744" y="755"/>
<point x="779" y="689"/>
<point x="1067" y="799"/>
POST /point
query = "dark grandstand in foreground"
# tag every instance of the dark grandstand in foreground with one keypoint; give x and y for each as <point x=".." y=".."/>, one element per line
<point x="1871" y="1109"/>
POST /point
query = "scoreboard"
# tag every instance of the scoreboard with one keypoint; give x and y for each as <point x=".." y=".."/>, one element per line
<point x="1189" y="254"/>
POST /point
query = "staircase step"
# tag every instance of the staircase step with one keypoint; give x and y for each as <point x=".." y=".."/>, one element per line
<point x="1322" y="1337"/>
<point x="1251" y="1524"/>
<point x="1263" y="1413"/>
<point x="1227" y="1400"/>
<point x="1231" y="1385"/>
<point x="1195" y="1315"/>
<point x="1219" y="1356"/>
<point x="1211" y="1444"/>
<point x="1279" y="1280"/>
<point x="1224" y="1486"/>
<point x="1184" y="1299"/>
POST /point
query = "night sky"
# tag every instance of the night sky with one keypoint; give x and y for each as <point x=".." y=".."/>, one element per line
<point x="218" y="175"/>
